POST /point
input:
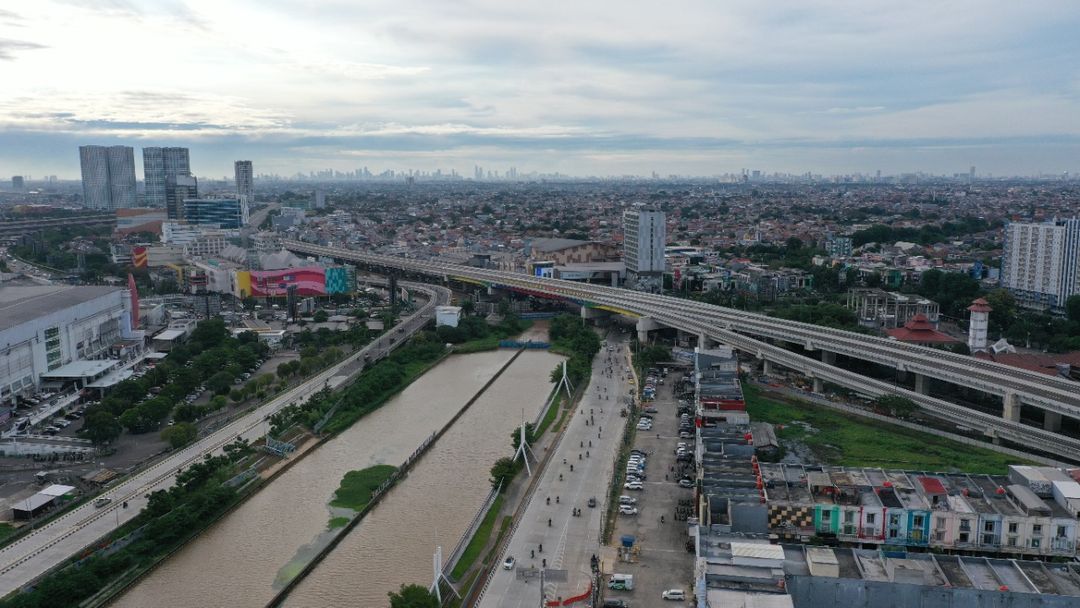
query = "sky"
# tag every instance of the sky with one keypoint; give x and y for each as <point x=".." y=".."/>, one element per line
<point x="582" y="88"/>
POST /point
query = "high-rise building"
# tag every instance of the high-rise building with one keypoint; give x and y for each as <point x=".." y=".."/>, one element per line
<point x="108" y="176"/>
<point x="644" y="238"/>
<point x="229" y="213"/>
<point x="17" y="183"/>
<point x="245" y="180"/>
<point x="1040" y="263"/>
<point x="177" y="189"/>
<point x="159" y="166"/>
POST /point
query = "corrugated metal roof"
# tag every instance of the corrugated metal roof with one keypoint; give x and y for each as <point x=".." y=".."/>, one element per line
<point x="56" y="490"/>
<point x="757" y="550"/>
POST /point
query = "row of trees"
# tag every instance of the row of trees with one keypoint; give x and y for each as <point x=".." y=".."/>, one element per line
<point x="924" y="235"/>
<point x="211" y="355"/>
<point x="570" y="336"/>
<point x="168" y="520"/>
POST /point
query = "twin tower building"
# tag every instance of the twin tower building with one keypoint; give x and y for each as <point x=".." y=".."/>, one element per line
<point x="108" y="177"/>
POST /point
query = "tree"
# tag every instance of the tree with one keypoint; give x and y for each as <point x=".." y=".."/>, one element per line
<point x="220" y="383"/>
<point x="467" y="306"/>
<point x="503" y="471"/>
<point x="412" y="596"/>
<point x="321" y="316"/>
<point x="237" y="395"/>
<point x="180" y="434"/>
<point x="101" y="427"/>
<point x="1072" y="308"/>
<point x="900" y="407"/>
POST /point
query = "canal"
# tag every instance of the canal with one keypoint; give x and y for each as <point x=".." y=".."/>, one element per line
<point x="435" y="503"/>
<point x="243" y="559"/>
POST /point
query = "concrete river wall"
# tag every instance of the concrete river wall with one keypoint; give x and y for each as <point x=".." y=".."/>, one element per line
<point x="248" y="556"/>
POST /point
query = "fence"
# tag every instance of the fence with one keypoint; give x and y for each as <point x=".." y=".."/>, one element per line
<point x="376" y="496"/>
<point x="463" y="542"/>
<point x="528" y="345"/>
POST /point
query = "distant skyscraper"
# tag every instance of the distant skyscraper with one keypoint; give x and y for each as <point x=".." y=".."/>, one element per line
<point x="160" y="164"/>
<point x="245" y="180"/>
<point x="178" y="188"/>
<point x="644" y="239"/>
<point x="17" y="183"/>
<point x="108" y="176"/>
<point x="1040" y="263"/>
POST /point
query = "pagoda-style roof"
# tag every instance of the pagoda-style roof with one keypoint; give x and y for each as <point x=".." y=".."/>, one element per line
<point x="980" y="305"/>
<point x="919" y="330"/>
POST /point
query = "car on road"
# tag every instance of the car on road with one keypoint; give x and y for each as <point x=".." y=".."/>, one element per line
<point x="615" y="604"/>
<point x="592" y="501"/>
<point x="627" y="510"/>
<point x="101" y="502"/>
<point x="686" y="483"/>
<point x="673" y="594"/>
<point x="634" y="485"/>
<point x="651" y="410"/>
<point x="509" y="563"/>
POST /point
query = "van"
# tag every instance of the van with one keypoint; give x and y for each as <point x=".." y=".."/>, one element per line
<point x="621" y="582"/>
<point x="674" y="594"/>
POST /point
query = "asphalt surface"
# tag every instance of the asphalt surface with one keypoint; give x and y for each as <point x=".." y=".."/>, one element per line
<point x="569" y="542"/>
<point x="25" y="559"/>
<point x="663" y="562"/>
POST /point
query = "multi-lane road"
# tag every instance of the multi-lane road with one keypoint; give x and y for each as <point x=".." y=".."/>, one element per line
<point x="570" y="479"/>
<point x="50" y="545"/>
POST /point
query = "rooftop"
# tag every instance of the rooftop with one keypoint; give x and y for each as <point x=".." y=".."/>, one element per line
<point x="20" y="305"/>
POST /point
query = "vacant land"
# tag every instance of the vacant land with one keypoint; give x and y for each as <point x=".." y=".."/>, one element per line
<point x="838" y="438"/>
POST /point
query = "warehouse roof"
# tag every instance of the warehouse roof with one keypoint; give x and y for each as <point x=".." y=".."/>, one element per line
<point x="20" y="305"/>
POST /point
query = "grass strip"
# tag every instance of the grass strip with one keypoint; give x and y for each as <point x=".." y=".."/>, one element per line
<point x="479" y="539"/>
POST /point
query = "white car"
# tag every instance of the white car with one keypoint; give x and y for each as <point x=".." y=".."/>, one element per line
<point x="509" y="563"/>
<point x="627" y="510"/>
<point x="673" y="594"/>
<point x="627" y="500"/>
<point x="634" y="485"/>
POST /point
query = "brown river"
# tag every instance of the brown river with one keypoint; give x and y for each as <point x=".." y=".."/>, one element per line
<point x="245" y="558"/>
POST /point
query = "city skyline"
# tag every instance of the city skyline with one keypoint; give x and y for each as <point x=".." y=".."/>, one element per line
<point x="616" y="90"/>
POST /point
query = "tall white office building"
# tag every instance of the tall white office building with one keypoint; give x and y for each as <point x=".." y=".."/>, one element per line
<point x="161" y="168"/>
<point x="108" y="176"/>
<point x="644" y="239"/>
<point x="245" y="181"/>
<point x="1040" y="263"/>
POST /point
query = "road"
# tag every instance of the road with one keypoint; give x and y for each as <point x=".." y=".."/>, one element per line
<point x="569" y="542"/>
<point x="259" y="216"/>
<point x="24" y="560"/>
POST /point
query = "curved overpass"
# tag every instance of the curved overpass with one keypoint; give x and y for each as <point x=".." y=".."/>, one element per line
<point x="742" y="330"/>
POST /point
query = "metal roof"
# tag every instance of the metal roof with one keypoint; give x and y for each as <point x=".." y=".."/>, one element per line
<point x="57" y="490"/>
<point x="33" y="503"/>
<point x="20" y="305"/>
<point x="757" y="551"/>
<point x="82" y="369"/>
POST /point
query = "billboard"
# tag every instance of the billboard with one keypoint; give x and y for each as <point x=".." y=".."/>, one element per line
<point x="309" y="281"/>
<point x="139" y="257"/>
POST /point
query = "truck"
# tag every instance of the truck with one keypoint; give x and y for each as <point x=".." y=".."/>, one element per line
<point x="621" y="582"/>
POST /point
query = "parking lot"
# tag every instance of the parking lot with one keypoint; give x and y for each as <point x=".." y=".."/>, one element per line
<point x="660" y="560"/>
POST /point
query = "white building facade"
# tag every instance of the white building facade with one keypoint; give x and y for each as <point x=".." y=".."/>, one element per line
<point x="644" y="238"/>
<point x="45" y="327"/>
<point x="1040" y="263"/>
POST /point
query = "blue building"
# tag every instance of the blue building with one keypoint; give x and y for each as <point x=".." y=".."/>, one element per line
<point x="223" y="212"/>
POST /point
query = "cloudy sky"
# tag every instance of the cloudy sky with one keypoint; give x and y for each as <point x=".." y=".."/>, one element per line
<point x="599" y="87"/>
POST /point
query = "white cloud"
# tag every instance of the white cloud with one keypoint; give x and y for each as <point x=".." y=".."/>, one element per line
<point x="636" y="74"/>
